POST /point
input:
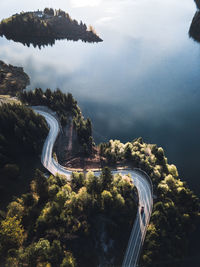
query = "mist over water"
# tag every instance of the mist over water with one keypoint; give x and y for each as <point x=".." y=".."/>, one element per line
<point x="143" y="80"/>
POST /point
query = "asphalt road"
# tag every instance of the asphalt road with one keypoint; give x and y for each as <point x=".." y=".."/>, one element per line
<point x="139" y="178"/>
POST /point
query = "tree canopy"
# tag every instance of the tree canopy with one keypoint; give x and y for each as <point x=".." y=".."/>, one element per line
<point x="59" y="223"/>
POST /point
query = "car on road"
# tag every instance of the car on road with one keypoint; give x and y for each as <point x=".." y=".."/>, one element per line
<point x="142" y="210"/>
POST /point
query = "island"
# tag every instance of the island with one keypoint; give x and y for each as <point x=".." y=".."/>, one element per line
<point x="197" y="3"/>
<point x="41" y="28"/>
<point x="194" y="31"/>
<point x="12" y="79"/>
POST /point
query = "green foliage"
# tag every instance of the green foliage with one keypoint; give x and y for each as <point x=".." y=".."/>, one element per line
<point x="63" y="104"/>
<point x="68" y="260"/>
<point x="106" y="177"/>
<point x="176" y="209"/>
<point x="22" y="134"/>
<point x="20" y="126"/>
<point x="59" y="220"/>
<point x="11" y="234"/>
<point x="65" y="107"/>
<point x="175" y="216"/>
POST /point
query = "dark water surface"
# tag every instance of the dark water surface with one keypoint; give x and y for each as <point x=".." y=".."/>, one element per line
<point x="143" y="80"/>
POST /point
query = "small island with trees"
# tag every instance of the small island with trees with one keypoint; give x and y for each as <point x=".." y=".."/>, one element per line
<point x="42" y="28"/>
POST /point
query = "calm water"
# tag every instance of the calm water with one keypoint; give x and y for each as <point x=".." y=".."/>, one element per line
<point x="143" y="80"/>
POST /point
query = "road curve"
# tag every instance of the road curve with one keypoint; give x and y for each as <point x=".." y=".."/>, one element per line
<point x="140" y="180"/>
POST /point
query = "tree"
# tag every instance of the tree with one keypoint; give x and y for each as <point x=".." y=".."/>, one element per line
<point x="11" y="171"/>
<point x="85" y="149"/>
<point x="128" y="152"/>
<point x="41" y="185"/>
<point x="91" y="29"/>
<point x="68" y="260"/>
<point x="36" y="254"/>
<point x="56" y="252"/>
<point x="107" y="200"/>
<point x="15" y="208"/>
<point x="49" y="11"/>
<point x="92" y="182"/>
<point x="11" y="233"/>
<point x="160" y="154"/>
<point x="101" y="149"/>
<point x="106" y="178"/>
<point x="77" y="180"/>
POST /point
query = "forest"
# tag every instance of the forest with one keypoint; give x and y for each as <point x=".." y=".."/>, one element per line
<point x="60" y="223"/>
<point x="41" y="28"/>
<point x="65" y="107"/>
<point x="96" y="211"/>
<point x="176" y="212"/>
<point x="41" y="227"/>
<point x="22" y="134"/>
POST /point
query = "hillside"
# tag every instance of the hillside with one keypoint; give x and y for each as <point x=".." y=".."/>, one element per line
<point x="12" y="79"/>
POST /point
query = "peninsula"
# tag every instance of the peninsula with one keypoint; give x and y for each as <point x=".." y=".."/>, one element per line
<point x="85" y="219"/>
<point x="41" y="28"/>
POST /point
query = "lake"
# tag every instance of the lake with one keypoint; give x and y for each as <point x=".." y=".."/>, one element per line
<point x="143" y="80"/>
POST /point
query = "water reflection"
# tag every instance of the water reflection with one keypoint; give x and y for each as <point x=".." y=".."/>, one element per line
<point x="35" y="41"/>
<point x="143" y="80"/>
<point x="39" y="42"/>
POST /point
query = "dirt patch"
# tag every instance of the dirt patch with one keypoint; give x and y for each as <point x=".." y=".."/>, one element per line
<point x="70" y="153"/>
<point x="81" y="162"/>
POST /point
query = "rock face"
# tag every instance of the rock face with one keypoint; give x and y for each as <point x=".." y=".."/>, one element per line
<point x="12" y="79"/>
<point x="42" y="28"/>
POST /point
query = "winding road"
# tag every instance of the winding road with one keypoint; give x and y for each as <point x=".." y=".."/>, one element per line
<point x="140" y="180"/>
